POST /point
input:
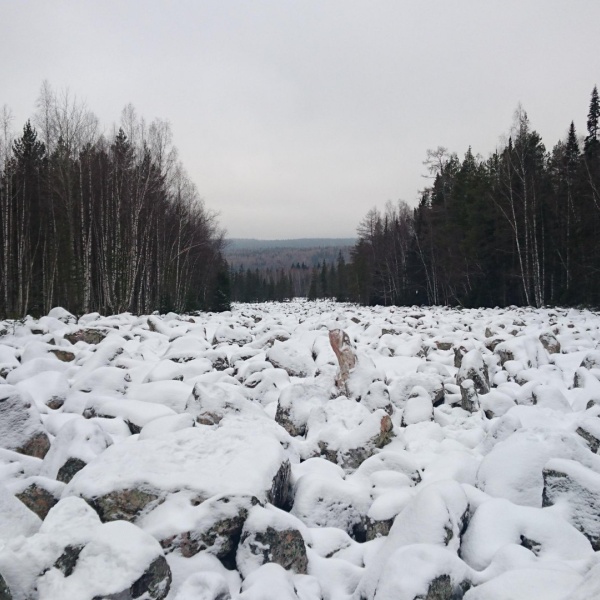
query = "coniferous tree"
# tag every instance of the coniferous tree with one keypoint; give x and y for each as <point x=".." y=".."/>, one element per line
<point x="592" y="141"/>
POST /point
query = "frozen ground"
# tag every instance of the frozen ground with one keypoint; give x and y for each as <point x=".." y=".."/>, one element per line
<point x="219" y="456"/>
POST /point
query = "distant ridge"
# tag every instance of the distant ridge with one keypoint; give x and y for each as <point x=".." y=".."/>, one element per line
<point x="254" y="244"/>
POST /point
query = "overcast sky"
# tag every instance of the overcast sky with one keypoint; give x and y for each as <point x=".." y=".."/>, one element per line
<point x="295" y="117"/>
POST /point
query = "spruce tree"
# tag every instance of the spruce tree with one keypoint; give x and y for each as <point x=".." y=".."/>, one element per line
<point x="591" y="141"/>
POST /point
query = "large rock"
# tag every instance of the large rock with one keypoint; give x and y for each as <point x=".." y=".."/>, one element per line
<point x="474" y="368"/>
<point x="89" y="336"/>
<point x="326" y="501"/>
<point x="469" y="399"/>
<point x="571" y="483"/>
<point x="239" y="457"/>
<point x="295" y="404"/>
<point x="4" y="590"/>
<point x="21" y="428"/>
<point x="15" y="518"/>
<point x="375" y="432"/>
<point x="417" y="572"/>
<point x="214" y="525"/>
<point x="77" y="442"/>
<point x="498" y="524"/>
<point x="114" y="561"/>
<point x="550" y="343"/>
<point x="295" y="358"/>
<point x="270" y="535"/>
<point x="209" y="403"/>
<point x="342" y="347"/>
<point x="40" y="494"/>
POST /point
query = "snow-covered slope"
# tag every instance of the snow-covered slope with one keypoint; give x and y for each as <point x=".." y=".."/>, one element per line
<point x="221" y="456"/>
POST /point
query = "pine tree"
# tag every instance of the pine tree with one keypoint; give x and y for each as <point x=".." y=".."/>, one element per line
<point x="592" y="142"/>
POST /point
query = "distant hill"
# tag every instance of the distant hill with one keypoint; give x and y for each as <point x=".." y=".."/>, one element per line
<point x="253" y="244"/>
<point x="284" y="254"/>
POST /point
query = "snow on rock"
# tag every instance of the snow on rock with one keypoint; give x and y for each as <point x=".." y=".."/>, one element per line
<point x="458" y="458"/>
<point x="15" y="518"/>
<point x="416" y="571"/>
<point x="77" y="443"/>
<point x="472" y="367"/>
<point x="577" y="489"/>
<point x="271" y="536"/>
<point x="498" y="523"/>
<point x="526" y="451"/>
<point x="21" y="428"/>
<point x="295" y="404"/>
<point x="292" y="357"/>
<point x="418" y="407"/>
<point x="128" y="477"/>
<point x="73" y="555"/>
<point x="528" y="583"/>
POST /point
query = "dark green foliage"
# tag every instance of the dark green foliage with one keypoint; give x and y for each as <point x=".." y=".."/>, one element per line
<point x="104" y="225"/>
<point x="521" y="227"/>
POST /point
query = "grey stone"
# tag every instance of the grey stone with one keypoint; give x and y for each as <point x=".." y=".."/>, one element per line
<point x="89" y="336"/>
<point x="550" y="343"/>
<point x="469" y="400"/>
<point x="38" y="499"/>
<point x="286" y="548"/>
<point x="4" y="591"/>
<point x="71" y="467"/>
<point x="154" y="584"/>
<point x="124" y="505"/>
<point x="21" y="428"/>
<point x="570" y="482"/>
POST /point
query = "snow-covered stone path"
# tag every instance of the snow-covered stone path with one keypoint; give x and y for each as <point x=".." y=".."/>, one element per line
<point x="222" y="456"/>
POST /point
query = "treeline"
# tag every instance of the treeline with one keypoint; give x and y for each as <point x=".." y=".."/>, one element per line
<point x="96" y="222"/>
<point x="324" y="280"/>
<point x="520" y="227"/>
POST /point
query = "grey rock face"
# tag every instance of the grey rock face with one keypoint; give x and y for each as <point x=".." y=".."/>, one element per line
<point x="286" y="548"/>
<point x="469" y="400"/>
<point x="21" y="429"/>
<point x="441" y="588"/>
<point x="154" y="584"/>
<point x="70" y="469"/>
<point x="280" y="494"/>
<point x="4" y="591"/>
<point x="473" y="367"/>
<point x="570" y="482"/>
<point x="340" y="343"/>
<point x="38" y="500"/>
<point x="222" y="533"/>
<point x="125" y="505"/>
<point x="550" y="343"/>
<point x="89" y="336"/>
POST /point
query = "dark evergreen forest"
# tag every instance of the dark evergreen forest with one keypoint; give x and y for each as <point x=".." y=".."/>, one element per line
<point x="112" y="223"/>
<point x="96" y="222"/>
<point x="521" y="227"/>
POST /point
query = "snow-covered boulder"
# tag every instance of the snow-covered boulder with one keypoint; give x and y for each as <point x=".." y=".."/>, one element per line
<point x="38" y="494"/>
<point x="526" y="451"/>
<point x="569" y="483"/>
<point x="74" y="555"/>
<point x="417" y="571"/>
<point x="21" y="428"/>
<point x="474" y="368"/>
<point x="326" y="501"/>
<point x="15" y="518"/>
<point x="77" y="443"/>
<point x="187" y="525"/>
<point x="418" y="407"/>
<point x="271" y="535"/>
<point x="129" y="478"/>
<point x="294" y="358"/>
<point x="295" y="404"/>
<point x="497" y="523"/>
